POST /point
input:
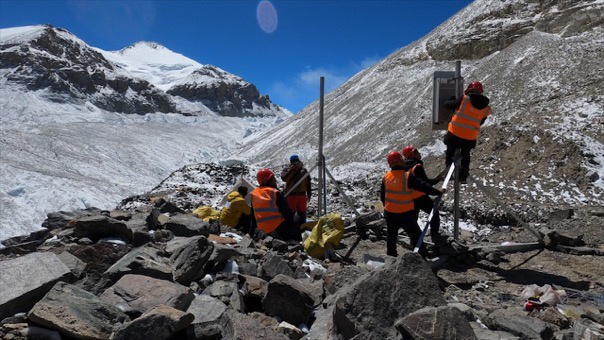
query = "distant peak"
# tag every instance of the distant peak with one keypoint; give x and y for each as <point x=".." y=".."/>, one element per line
<point x="146" y="44"/>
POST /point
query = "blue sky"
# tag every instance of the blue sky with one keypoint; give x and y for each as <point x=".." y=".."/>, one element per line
<point x="283" y="51"/>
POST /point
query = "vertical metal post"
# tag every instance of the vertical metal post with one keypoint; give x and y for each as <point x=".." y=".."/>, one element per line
<point x="457" y="161"/>
<point x="320" y="155"/>
<point x="457" y="157"/>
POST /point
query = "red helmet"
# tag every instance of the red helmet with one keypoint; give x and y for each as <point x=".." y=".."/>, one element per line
<point x="474" y="87"/>
<point x="264" y="175"/>
<point x="408" y="151"/>
<point x="393" y="157"/>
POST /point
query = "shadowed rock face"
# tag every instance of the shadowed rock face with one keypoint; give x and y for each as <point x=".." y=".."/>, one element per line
<point x="72" y="72"/>
<point x="498" y="28"/>
<point x="227" y="98"/>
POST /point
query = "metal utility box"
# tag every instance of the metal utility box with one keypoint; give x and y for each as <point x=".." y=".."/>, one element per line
<point x="444" y="88"/>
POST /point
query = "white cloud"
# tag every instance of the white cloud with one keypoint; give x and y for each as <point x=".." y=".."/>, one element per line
<point x="303" y="89"/>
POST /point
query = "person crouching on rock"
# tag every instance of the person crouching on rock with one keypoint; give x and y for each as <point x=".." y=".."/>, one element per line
<point x="396" y="193"/>
<point x="236" y="213"/>
<point x="270" y="212"/>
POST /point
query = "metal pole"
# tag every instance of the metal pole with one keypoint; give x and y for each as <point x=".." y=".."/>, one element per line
<point x="320" y="155"/>
<point x="457" y="161"/>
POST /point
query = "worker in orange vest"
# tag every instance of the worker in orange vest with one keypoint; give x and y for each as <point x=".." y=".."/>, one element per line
<point x="413" y="163"/>
<point x="471" y="111"/>
<point x="396" y="193"/>
<point x="270" y="212"/>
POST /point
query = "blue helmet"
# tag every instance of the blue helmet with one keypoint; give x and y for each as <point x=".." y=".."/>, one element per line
<point x="294" y="158"/>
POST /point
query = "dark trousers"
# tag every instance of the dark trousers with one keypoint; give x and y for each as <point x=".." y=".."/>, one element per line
<point x="425" y="204"/>
<point x="244" y="223"/>
<point x="453" y="143"/>
<point x="408" y="221"/>
<point x="288" y="231"/>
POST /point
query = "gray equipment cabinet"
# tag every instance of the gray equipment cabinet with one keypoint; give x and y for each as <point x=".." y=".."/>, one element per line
<point x="443" y="89"/>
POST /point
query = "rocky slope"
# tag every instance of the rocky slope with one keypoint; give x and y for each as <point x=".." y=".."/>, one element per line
<point x="153" y="268"/>
<point x="540" y="64"/>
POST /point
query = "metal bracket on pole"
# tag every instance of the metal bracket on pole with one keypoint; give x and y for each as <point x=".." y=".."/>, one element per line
<point x="508" y="210"/>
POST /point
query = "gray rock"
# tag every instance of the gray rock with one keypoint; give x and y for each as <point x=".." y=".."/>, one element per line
<point x="404" y="287"/>
<point x="74" y="264"/>
<point x="227" y="292"/>
<point x="146" y="260"/>
<point x="240" y="326"/>
<point x="483" y="333"/>
<point x="159" y="323"/>
<point x="443" y="322"/>
<point x="466" y="310"/>
<point x="187" y="225"/>
<point x="587" y="329"/>
<point x="190" y="258"/>
<point x="323" y="327"/>
<point x="223" y="253"/>
<point x="26" y="279"/>
<point x="513" y="321"/>
<point x="273" y="265"/>
<point x="288" y="299"/>
<point x="76" y="313"/>
<point x="208" y="313"/>
<point x="137" y="294"/>
<point x="100" y="226"/>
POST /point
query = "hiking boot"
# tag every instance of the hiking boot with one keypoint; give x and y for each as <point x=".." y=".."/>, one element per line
<point x="439" y="239"/>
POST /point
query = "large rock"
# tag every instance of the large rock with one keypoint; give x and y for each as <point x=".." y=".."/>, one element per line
<point x="136" y="294"/>
<point x="515" y="322"/>
<point x="99" y="226"/>
<point x="190" y="258"/>
<point x="74" y="264"/>
<point x="428" y="323"/>
<point x="159" y="323"/>
<point x="369" y="307"/>
<point x="76" y="313"/>
<point x="146" y="260"/>
<point x="273" y="265"/>
<point x="288" y="299"/>
<point x="25" y="280"/>
<point x="323" y="327"/>
<point x="187" y="225"/>
<point x="227" y="292"/>
<point x="240" y="326"/>
<point x="208" y="313"/>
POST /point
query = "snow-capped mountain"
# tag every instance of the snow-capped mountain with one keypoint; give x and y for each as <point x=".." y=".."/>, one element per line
<point x="541" y="63"/>
<point x="85" y="127"/>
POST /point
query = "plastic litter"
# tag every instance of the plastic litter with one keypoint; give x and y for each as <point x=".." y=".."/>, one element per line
<point x="541" y="297"/>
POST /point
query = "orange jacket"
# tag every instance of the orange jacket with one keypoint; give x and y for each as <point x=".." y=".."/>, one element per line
<point x="466" y="120"/>
<point x="416" y="193"/>
<point x="267" y="214"/>
<point x="399" y="197"/>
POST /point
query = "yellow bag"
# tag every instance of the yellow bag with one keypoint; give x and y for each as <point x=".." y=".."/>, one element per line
<point x="325" y="234"/>
<point x="206" y="213"/>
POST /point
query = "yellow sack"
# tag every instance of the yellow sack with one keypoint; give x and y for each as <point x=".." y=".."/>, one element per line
<point x="325" y="234"/>
<point x="206" y="213"/>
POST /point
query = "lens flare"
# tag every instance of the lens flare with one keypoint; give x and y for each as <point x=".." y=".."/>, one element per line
<point x="266" y="14"/>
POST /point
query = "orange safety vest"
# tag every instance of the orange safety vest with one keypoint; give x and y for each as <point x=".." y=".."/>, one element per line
<point x="416" y="193"/>
<point x="466" y="120"/>
<point x="266" y="211"/>
<point x="399" y="198"/>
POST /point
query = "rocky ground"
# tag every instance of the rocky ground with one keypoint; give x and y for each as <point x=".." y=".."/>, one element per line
<point x="471" y="287"/>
